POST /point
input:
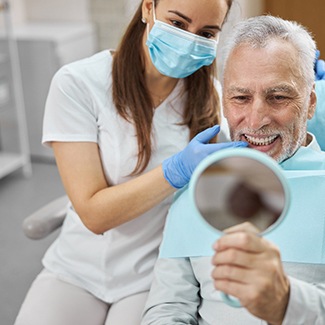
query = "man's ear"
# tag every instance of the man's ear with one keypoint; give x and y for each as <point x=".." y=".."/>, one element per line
<point x="224" y="108"/>
<point x="147" y="9"/>
<point x="312" y="103"/>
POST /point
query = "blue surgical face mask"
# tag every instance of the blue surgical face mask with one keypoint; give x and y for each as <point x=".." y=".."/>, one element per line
<point x="177" y="53"/>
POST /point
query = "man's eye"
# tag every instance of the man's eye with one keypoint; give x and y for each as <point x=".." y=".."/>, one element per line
<point x="240" y="99"/>
<point x="278" y="98"/>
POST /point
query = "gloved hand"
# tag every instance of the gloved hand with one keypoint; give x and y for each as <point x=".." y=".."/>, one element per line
<point x="178" y="168"/>
<point x="319" y="67"/>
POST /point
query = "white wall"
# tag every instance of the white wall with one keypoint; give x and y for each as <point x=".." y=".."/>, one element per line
<point x="24" y="11"/>
<point x="130" y="7"/>
<point x="109" y="16"/>
<point x="18" y="10"/>
<point x="241" y="9"/>
<point x="57" y="10"/>
<point x="251" y="7"/>
<point x="18" y="14"/>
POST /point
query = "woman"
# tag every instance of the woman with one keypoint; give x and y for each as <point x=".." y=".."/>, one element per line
<point x="119" y="124"/>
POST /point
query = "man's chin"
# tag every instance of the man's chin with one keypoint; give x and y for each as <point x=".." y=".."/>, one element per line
<point x="277" y="156"/>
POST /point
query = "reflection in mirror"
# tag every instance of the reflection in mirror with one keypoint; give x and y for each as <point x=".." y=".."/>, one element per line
<point x="239" y="189"/>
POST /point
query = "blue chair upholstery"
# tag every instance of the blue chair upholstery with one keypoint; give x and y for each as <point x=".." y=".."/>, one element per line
<point x="317" y="124"/>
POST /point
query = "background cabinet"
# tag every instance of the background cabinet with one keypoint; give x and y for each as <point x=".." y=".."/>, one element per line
<point x="43" y="49"/>
<point x="14" y="147"/>
<point x="308" y="13"/>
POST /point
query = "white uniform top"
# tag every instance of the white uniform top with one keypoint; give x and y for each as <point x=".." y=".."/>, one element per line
<point x="80" y="108"/>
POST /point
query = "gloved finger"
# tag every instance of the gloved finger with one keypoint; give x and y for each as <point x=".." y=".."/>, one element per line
<point x="218" y="146"/>
<point x="320" y="70"/>
<point x="206" y="135"/>
<point x="317" y="54"/>
<point x="234" y="144"/>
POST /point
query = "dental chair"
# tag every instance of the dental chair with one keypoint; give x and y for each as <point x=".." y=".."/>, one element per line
<point x="51" y="216"/>
<point x="48" y="218"/>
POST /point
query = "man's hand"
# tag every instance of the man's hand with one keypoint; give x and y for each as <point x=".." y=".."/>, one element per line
<point x="249" y="268"/>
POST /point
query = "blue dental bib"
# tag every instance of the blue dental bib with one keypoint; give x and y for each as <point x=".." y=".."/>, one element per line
<point x="300" y="236"/>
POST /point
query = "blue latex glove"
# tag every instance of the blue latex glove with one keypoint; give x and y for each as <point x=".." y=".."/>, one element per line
<point x="178" y="168"/>
<point x="319" y="67"/>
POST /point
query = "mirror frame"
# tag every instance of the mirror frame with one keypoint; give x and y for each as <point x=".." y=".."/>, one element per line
<point x="246" y="153"/>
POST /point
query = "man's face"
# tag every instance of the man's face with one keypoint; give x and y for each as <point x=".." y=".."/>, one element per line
<point x="265" y="100"/>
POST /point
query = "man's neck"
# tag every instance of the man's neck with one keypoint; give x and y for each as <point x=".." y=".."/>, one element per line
<point x="308" y="139"/>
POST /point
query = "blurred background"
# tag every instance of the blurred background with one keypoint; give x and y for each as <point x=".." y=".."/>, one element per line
<point x="37" y="37"/>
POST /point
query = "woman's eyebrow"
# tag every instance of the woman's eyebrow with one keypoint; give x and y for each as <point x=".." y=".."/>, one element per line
<point x="189" y="20"/>
<point x="181" y="15"/>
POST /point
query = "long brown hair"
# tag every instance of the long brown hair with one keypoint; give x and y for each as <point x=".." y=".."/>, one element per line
<point x="134" y="103"/>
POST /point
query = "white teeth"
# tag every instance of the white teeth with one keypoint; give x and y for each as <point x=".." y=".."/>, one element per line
<point x="260" y="141"/>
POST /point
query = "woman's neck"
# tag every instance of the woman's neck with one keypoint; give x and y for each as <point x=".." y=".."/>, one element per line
<point x="160" y="87"/>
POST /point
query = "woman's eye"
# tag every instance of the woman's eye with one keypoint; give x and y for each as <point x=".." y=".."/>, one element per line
<point x="178" y="24"/>
<point x="208" y="35"/>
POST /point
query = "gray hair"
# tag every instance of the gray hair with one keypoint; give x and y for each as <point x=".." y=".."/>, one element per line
<point x="258" y="31"/>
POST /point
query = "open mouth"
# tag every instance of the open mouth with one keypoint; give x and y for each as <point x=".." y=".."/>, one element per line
<point x="260" y="141"/>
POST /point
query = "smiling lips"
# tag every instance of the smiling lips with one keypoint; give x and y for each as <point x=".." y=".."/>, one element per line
<point x="260" y="141"/>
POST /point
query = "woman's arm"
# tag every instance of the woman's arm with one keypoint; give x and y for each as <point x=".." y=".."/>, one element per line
<point x="99" y="205"/>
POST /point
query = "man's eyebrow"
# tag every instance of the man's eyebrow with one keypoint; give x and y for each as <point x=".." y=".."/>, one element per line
<point x="189" y="20"/>
<point x="280" y="88"/>
<point x="240" y="90"/>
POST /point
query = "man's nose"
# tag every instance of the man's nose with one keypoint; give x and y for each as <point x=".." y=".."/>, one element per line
<point x="259" y="115"/>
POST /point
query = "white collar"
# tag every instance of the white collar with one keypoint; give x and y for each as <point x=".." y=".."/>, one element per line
<point x="313" y="143"/>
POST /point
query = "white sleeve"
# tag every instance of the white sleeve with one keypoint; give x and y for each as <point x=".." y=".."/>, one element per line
<point x="306" y="303"/>
<point x="174" y="294"/>
<point x="69" y="114"/>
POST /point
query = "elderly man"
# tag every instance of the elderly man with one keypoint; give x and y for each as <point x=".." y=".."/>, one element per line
<point x="268" y="96"/>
